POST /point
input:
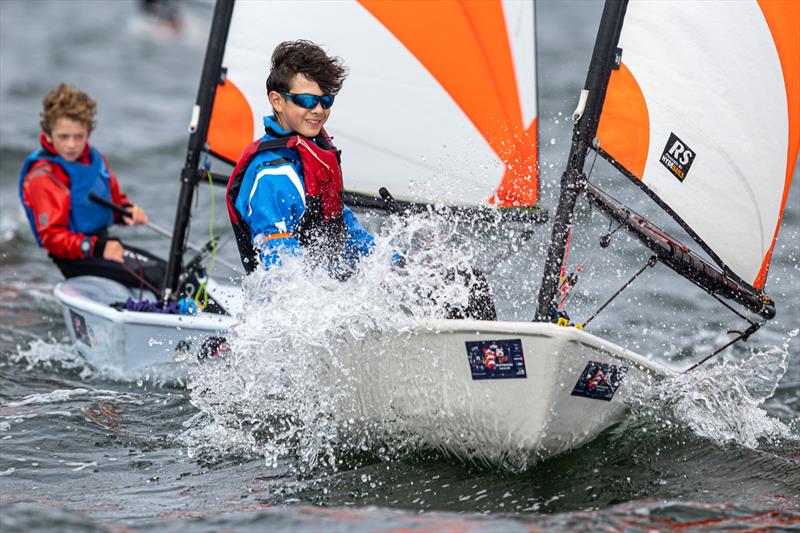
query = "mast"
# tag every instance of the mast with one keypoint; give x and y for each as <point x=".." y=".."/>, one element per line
<point x="198" y="128"/>
<point x="603" y="60"/>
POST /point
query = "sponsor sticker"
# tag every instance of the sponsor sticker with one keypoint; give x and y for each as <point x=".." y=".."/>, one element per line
<point x="599" y="381"/>
<point x="496" y="359"/>
<point x="677" y="157"/>
<point x="213" y="347"/>
<point x="79" y="327"/>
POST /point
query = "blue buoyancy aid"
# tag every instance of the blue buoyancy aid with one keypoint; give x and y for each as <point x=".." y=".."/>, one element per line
<point x="85" y="216"/>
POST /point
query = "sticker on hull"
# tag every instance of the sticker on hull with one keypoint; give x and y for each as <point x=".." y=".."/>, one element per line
<point x="497" y="359"/>
<point x="79" y="327"/>
<point x="599" y="381"/>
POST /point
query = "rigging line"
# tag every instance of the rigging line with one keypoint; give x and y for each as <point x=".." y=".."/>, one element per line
<point x="610" y="233"/>
<point x="650" y="263"/>
<point x="604" y="242"/>
<point x="743" y="335"/>
<point x="523" y="238"/>
<point x="140" y="270"/>
<point x="141" y="279"/>
<point x="591" y="169"/>
<point x="717" y="298"/>
<point x="737" y="313"/>
<point x="202" y="290"/>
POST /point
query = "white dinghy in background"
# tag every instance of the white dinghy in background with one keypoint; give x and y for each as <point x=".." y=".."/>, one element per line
<point x="130" y="342"/>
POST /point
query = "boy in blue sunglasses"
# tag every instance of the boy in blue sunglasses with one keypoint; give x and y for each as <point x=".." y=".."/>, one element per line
<point x="284" y="195"/>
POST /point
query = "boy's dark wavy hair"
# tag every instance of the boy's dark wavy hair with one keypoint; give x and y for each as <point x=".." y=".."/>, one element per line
<point x="307" y="58"/>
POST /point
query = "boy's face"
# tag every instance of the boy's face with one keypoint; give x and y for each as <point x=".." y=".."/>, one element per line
<point x="69" y="138"/>
<point x="306" y="122"/>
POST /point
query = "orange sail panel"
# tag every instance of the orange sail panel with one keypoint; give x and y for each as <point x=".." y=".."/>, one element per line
<point x="470" y="56"/>
<point x="704" y="111"/>
<point x="231" y="128"/>
<point x="624" y="128"/>
<point x="439" y="106"/>
<point x="783" y="19"/>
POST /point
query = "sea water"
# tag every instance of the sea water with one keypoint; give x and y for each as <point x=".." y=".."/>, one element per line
<point x="252" y="442"/>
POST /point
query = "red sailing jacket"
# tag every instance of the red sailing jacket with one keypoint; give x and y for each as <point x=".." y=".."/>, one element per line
<point x="46" y="192"/>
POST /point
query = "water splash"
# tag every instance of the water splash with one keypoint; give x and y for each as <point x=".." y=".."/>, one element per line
<point x="723" y="402"/>
<point x="49" y="354"/>
<point x="289" y="376"/>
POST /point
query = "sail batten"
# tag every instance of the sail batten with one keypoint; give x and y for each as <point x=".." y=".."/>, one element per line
<point x="701" y="112"/>
<point x="440" y="105"/>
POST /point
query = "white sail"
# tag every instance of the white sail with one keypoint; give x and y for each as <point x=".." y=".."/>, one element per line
<point x="705" y="111"/>
<point x="439" y="106"/>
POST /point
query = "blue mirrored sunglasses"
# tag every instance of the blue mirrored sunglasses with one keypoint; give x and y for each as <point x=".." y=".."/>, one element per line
<point x="310" y="101"/>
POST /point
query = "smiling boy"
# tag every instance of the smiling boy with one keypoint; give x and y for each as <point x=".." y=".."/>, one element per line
<point x="284" y="195"/>
<point x="54" y="187"/>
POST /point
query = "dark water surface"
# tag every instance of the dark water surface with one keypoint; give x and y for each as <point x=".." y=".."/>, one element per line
<point x="80" y="451"/>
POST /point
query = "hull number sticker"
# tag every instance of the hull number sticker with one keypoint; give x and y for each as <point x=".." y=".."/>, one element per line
<point x="599" y="381"/>
<point x="499" y="359"/>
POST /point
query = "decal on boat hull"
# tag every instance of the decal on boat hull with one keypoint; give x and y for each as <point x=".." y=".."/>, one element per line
<point x="599" y="381"/>
<point x="496" y="359"/>
<point x="79" y="327"/>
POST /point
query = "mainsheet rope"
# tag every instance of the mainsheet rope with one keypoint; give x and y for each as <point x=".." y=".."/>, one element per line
<point x="202" y="291"/>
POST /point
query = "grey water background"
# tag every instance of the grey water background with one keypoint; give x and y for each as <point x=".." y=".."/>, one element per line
<point x="82" y="452"/>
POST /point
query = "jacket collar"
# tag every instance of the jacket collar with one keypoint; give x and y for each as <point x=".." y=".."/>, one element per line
<point x="271" y="123"/>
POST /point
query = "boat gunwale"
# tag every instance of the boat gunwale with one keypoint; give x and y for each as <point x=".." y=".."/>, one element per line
<point x="545" y="329"/>
<point x="203" y="322"/>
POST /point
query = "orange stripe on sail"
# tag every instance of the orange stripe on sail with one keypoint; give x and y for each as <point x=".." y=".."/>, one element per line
<point x="465" y="47"/>
<point x="624" y="129"/>
<point x="783" y="19"/>
<point x="231" y="127"/>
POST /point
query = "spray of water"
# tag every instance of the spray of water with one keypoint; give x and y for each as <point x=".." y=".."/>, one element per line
<point x="47" y="354"/>
<point x="723" y="402"/>
<point x="290" y="385"/>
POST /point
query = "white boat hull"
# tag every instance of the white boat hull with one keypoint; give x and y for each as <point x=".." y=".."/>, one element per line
<point x="500" y="391"/>
<point x="128" y="341"/>
<point x="424" y="382"/>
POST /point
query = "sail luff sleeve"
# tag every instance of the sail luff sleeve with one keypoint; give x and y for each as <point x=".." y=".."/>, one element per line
<point x="197" y="139"/>
<point x="596" y="82"/>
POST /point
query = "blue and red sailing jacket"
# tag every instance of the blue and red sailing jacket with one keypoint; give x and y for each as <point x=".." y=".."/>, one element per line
<point x="268" y="195"/>
<point x="54" y="194"/>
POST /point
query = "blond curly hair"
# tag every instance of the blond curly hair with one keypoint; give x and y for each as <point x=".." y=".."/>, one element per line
<point x="67" y="101"/>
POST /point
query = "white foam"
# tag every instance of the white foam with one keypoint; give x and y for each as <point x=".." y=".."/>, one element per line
<point x="723" y="401"/>
<point x="279" y="392"/>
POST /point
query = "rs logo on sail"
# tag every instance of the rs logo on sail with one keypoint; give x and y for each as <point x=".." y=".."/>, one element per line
<point x="677" y="157"/>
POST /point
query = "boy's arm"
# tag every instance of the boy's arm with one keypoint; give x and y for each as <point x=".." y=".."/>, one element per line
<point x="271" y="203"/>
<point x="361" y="242"/>
<point x="49" y="200"/>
